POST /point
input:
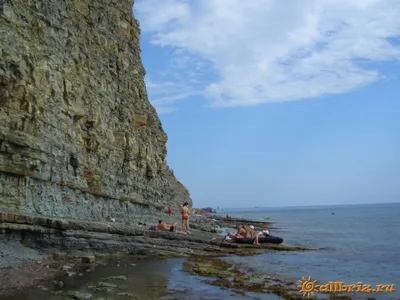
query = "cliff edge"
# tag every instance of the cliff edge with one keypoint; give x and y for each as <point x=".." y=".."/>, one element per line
<point x="78" y="137"/>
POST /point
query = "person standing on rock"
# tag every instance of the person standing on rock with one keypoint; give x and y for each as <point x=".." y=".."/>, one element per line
<point x="185" y="217"/>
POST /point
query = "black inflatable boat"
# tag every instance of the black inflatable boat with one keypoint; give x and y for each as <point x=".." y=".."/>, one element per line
<point x="262" y="240"/>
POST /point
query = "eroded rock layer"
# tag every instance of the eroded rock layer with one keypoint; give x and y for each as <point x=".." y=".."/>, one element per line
<point x="78" y="136"/>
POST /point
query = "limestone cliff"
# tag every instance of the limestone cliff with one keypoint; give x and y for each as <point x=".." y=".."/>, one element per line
<point x="78" y="136"/>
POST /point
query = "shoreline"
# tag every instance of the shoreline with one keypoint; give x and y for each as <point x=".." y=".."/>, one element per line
<point x="60" y="242"/>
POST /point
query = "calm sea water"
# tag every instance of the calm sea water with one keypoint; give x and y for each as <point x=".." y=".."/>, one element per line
<point x="361" y="244"/>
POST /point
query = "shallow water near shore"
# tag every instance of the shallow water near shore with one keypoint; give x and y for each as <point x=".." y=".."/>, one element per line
<point x="145" y="279"/>
<point x="361" y="244"/>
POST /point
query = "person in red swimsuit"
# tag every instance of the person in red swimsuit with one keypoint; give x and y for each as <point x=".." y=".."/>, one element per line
<point x="169" y="210"/>
<point x="185" y="217"/>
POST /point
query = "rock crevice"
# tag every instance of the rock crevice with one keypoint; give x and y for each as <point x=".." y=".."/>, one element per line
<point x="78" y="136"/>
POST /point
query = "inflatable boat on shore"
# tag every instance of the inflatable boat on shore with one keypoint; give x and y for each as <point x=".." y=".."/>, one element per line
<point x="262" y="240"/>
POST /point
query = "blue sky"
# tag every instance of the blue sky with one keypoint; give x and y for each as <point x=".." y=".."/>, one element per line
<point x="269" y="107"/>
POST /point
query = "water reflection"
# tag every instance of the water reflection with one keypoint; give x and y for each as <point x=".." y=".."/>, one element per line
<point x="145" y="279"/>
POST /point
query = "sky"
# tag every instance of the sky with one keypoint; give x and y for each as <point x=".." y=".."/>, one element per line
<point x="277" y="102"/>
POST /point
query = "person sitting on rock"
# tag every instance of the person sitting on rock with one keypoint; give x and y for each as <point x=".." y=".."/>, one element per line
<point x="251" y="233"/>
<point x="165" y="226"/>
<point x="241" y="231"/>
<point x="239" y="234"/>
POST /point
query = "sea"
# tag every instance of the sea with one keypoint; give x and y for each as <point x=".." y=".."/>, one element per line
<point x="357" y="243"/>
<point x="353" y="244"/>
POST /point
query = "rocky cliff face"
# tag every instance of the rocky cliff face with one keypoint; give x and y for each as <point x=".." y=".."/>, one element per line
<point x="78" y="136"/>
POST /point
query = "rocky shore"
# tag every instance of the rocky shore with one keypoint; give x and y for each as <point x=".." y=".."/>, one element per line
<point x="35" y="250"/>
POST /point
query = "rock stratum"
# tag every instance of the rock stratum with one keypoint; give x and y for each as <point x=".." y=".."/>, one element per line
<point x="78" y="136"/>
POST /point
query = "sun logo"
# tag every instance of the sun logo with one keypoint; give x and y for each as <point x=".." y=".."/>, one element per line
<point x="307" y="286"/>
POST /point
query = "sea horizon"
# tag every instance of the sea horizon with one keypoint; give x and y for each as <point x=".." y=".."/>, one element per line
<point x="304" y="206"/>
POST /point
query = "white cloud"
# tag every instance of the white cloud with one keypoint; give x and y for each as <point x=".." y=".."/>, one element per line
<point x="165" y="93"/>
<point x="273" y="50"/>
<point x="163" y="110"/>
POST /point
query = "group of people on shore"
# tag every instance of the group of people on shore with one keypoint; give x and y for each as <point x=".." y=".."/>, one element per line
<point x="185" y="212"/>
<point x="245" y="232"/>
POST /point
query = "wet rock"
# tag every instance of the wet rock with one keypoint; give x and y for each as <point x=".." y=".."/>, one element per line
<point x="70" y="273"/>
<point x="56" y="293"/>
<point x="103" y="289"/>
<point x="125" y="295"/>
<point x="79" y="295"/>
<point x="110" y="278"/>
<point x="60" y="256"/>
<point x="67" y="268"/>
<point x="229" y="276"/>
<point x="208" y="268"/>
<point x="283" y="291"/>
<point x="106" y="285"/>
<point x="88" y="259"/>
<point x="58" y="284"/>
